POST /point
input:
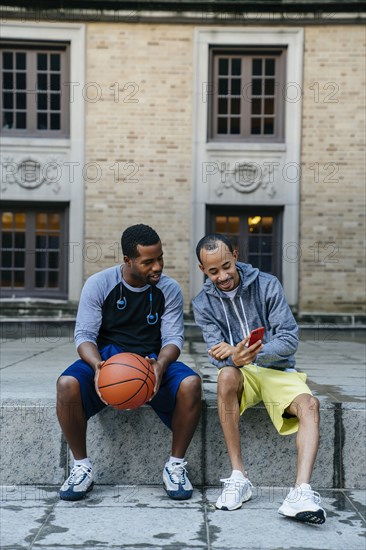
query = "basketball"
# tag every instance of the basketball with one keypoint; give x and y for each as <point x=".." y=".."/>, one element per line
<point x="126" y="381"/>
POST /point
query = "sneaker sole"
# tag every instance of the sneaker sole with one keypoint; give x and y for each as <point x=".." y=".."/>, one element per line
<point x="76" y="496"/>
<point x="239" y="505"/>
<point x="316" y="517"/>
<point x="178" y="496"/>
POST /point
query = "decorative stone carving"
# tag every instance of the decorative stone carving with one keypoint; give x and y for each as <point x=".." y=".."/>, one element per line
<point x="246" y="177"/>
<point x="31" y="174"/>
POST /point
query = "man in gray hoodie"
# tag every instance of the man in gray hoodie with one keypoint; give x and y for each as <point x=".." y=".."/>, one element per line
<point x="235" y="299"/>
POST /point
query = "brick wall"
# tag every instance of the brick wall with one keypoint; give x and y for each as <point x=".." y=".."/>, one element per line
<point x="140" y="134"/>
<point x="333" y="161"/>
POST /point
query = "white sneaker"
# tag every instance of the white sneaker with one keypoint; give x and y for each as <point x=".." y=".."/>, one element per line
<point x="176" y="481"/>
<point x="78" y="484"/>
<point x="235" y="492"/>
<point x="303" y="504"/>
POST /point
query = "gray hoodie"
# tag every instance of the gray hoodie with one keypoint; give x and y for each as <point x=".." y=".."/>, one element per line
<point x="259" y="301"/>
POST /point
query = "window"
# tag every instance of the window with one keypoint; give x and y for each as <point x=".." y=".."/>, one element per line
<point x="35" y="90"/>
<point x="254" y="232"/>
<point x="246" y="100"/>
<point x="33" y="251"/>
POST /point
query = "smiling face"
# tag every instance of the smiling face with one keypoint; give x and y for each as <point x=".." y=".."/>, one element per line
<point x="219" y="265"/>
<point x="146" y="268"/>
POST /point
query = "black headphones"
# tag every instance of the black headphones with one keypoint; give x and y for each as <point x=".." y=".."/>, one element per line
<point x="122" y="303"/>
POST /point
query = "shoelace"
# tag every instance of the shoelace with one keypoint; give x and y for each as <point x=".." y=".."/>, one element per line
<point x="177" y="472"/>
<point x="77" y="473"/>
<point x="306" y="494"/>
<point x="234" y="482"/>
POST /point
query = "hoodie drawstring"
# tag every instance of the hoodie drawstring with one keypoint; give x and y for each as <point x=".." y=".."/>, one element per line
<point x="227" y="322"/>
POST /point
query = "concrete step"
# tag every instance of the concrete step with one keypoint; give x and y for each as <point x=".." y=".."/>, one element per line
<point x="130" y="447"/>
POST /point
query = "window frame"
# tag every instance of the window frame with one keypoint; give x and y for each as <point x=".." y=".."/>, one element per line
<point x="32" y="48"/>
<point x="30" y="290"/>
<point x="246" y="53"/>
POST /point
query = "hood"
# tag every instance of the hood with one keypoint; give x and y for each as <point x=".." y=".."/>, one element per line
<point x="247" y="274"/>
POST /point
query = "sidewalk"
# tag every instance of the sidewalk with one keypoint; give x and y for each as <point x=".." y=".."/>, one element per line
<point x="126" y="517"/>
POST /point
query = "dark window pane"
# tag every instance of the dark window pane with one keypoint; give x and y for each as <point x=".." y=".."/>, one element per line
<point x="55" y="102"/>
<point x="254" y="260"/>
<point x="223" y="86"/>
<point x="41" y="259"/>
<point x="269" y="86"/>
<point x="6" y="259"/>
<point x="235" y="126"/>
<point x="40" y="279"/>
<point x="256" y="86"/>
<point x="42" y="62"/>
<point x="6" y="278"/>
<point x="222" y="105"/>
<point x="21" y="81"/>
<point x="256" y="106"/>
<point x="7" y="60"/>
<point x="236" y="67"/>
<point x="21" y="121"/>
<point x="42" y="121"/>
<point x="268" y="106"/>
<point x="8" y="119"/>
<point x="53" y="279"/>
<point x="41" y="241"/>
<point x="268" y="125"/>
<point x="235" y="106"/>
<point x="266" y="264"/>
<point x="220" y="224"/>
<point x="53" y="242"/>
<point x="233" y="224"/>
<point x="19" y="240"/>
<point x="42" y="102"/>
<point x="7" y="240"/>
<point x="8" y="81"/>
<point x="256" y="67"/>
<point x="42" y="82"/>
<point x="222" y="125"/>
<point x="223" y="66"/>
<point x="254" y="244"/>
<point x="266" y="244"/>
<point x="19" y="279"/>
<point x="53" y="260"/>
<point x="8" y="100"/>
<point x="270" y="67"/>
<point x="55" y="61"/>
<point x="21" y="100"/>
<point x="19" y="259"/>
<point x="55" y="81"/>
<point x="55" y="122"/>
<point x="256" y="126"/>
<point x="20" y="61"/>
<point x="235" y="86"/>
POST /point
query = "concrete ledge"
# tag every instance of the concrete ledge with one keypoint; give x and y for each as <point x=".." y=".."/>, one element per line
<point x="131" y="447"/>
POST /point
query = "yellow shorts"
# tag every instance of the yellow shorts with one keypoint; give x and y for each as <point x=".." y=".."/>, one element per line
<point x="277" y="389"/>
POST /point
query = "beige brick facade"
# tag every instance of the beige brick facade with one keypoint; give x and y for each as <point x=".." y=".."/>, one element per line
<point x="142" y="128"/>
<point x="332" y="230"/>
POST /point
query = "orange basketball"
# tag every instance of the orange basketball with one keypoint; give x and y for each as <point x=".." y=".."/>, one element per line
<point x="126" y="381"/>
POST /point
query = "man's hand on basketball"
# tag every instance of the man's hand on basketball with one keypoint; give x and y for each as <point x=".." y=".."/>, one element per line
<point x="243" y="355"/>
<point x="96" y="378"/>
<point x="159" y="371"/>
<point x="221" y="351"/>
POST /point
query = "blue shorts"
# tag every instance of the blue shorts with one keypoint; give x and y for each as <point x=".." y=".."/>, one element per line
<point x="163" y="402"/>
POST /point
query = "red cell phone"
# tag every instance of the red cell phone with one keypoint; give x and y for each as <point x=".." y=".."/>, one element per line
<point x="255" y="335"/>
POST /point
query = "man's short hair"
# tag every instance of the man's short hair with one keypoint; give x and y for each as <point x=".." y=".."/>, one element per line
<point x="209" y="242"/>
<point x="135" y="235"/>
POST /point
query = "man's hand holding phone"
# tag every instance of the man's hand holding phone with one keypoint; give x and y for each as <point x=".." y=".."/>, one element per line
<point x="247" y="350"/>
